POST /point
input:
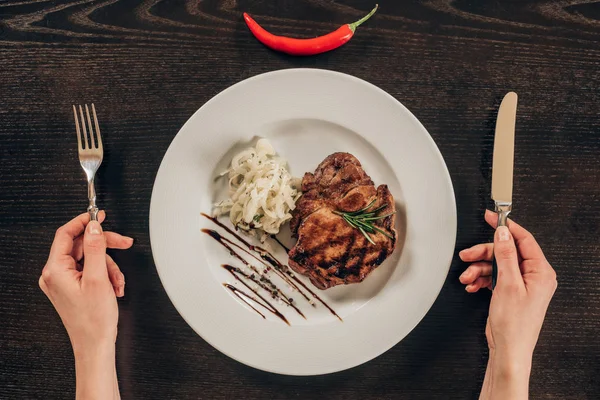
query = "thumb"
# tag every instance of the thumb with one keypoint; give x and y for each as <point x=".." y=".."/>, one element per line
<point x="505" y="253"/>
<point x="94" y="253"/>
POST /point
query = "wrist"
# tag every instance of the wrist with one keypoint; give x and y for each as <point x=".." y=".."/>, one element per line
<point x="95" y="370"/>
<point x="511" y="365"/>
<point x="93" y="351"/>
<point x="509" y="376"/>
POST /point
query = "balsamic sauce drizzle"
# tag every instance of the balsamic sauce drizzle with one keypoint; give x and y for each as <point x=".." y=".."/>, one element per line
<point x="287" y="250"/>
<point x="282" y="270"/>
<point x="240" y="294"/>
<point x="236" y="272"/>
<point x="219" y="238"/>
<point x="256" y="277"/>
<point x="287" y="277"/>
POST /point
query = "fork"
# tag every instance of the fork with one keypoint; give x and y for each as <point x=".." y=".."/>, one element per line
<point x="90" y="153"/>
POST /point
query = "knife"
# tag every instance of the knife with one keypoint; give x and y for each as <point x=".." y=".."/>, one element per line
<point x="502" y="166"/>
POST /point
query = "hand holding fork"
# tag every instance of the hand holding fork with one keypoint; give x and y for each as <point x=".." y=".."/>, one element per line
<point x="83" y="282"/>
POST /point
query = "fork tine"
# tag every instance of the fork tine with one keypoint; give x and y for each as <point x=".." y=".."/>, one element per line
<point x="97" y="127"/>
<point x="77" y="128"/>
<point x="85" y="135"/>
<point x="92" y="140"/>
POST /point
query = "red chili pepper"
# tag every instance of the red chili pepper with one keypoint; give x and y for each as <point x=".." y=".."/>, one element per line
<point x="306" y="47"/>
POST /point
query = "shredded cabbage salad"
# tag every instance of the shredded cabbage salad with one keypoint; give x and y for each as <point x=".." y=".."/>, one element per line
<point x="262" y="193"/>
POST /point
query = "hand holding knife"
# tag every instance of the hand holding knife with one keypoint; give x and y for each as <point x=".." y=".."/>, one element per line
<point x="528" y="282"/>
<point x="502" y="167"/>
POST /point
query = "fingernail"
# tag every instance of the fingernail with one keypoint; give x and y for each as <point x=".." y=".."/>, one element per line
<point x="94" y="228"/>
<point x="463" y="275"/>
<point x="468" y="287"/>
<point x="503" y="233"/>
<point x="464" y="252"/>
<point x="129" y="239"/>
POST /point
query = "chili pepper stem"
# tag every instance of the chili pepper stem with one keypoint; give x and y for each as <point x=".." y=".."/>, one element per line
<point x="356" y="24"/>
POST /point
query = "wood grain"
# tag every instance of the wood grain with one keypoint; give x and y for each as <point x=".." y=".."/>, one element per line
<point x="149" y="64"/>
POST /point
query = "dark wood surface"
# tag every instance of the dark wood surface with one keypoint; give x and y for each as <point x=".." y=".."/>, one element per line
<point x="149" y="64"/>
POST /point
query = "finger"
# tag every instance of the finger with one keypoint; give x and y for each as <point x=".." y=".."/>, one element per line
<point x="116" y="276"/>
<point x="528" y="247"/>
<point x="480" y="283"/>
<point x="63" y="240"/>
<point x="478" y="252"/>
<point x="117" y="241"/>
<point x="94" y="252"/>
<point x="113" y="241"/>
<point x="474" y="271"/>
<point x="505" y="251"/>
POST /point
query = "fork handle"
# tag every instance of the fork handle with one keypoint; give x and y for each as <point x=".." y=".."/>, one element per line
<point x="92" y="209"/>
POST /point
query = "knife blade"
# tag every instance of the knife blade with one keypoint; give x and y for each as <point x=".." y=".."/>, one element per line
<point x="503" y="162"/>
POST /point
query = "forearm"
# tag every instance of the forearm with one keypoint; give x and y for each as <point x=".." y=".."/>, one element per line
<point x="116" y="392"/>
<point x="506" y="378"/>
<point x="95" y="372"/>
<point x="487" y="381"/>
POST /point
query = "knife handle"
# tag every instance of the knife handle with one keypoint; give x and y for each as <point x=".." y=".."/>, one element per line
<point x="494" y="272"/>
<point x="503" y="209"/>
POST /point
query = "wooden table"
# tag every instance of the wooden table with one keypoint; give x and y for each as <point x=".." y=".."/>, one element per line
<point x="148" y="65"/>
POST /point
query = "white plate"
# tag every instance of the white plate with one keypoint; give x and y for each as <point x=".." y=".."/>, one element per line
<point x="307" y="114"/>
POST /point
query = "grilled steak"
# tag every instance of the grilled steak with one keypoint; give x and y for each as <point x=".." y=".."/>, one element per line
<point x="329" y="251"/>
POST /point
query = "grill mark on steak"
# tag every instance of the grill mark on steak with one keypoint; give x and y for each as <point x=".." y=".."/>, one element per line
<point x="351" y="239"/>
<point x="329" y="251"/>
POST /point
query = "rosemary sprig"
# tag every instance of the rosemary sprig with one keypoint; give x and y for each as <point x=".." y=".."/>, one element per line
<point x="364" y="219"/>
